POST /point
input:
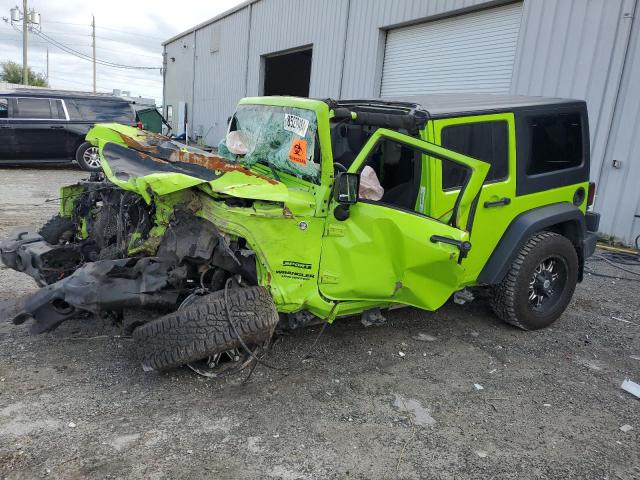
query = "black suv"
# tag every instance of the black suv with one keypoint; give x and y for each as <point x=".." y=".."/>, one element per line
<point x="46" y="126"/>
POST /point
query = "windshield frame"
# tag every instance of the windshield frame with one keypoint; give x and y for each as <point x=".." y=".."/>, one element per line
<point x="321" y="111"/>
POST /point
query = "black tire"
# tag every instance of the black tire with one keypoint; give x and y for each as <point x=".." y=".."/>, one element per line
<point x="203" y="329"/>
<point x="57" y="229"/>
<point x="87" y="161"/>
<point x="520" y="298"/>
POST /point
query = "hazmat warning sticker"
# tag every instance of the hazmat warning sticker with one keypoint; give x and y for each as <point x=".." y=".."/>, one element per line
<point x="298" y="151"/>
<point x="295" y="124"/>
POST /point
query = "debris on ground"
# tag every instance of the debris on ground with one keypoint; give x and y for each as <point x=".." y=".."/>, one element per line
<point x="424" y="337"/>
<point x="626" y="428"/>
<point x="478" y="386"/>
<point x="372" y="318"/>
<point x="419" y="415"/>
<point x="463" y="296"/>
<point x="632" y="387"/>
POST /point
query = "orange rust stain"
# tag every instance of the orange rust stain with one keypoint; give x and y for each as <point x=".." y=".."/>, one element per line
<point x="172" y="153"/>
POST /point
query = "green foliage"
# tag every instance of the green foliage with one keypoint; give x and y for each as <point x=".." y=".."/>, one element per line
<point x="12" y="73"/>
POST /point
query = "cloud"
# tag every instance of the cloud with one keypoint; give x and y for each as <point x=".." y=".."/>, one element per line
<point x="127" y="32"/>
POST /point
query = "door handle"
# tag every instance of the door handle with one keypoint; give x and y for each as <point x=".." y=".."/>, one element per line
<point x="463" y="246"/>
<point x="497" y="203"/>
<point x="57" y="127"/>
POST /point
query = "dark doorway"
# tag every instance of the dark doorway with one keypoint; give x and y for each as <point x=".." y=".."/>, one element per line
<point x="288" y="74"/>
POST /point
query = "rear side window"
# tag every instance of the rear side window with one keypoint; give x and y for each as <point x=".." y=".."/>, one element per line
<point x="556" y="142"/>
<point x="4" y="108"/>
<point x="34" y="108"/>
<point x="96" y="110"/>
<point x="486" y="141"/>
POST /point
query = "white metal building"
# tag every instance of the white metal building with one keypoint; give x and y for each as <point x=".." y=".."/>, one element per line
<point x="586" y="49"/>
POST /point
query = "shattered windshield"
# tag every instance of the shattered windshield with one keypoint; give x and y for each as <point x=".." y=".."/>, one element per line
<point x="283" y="138"/>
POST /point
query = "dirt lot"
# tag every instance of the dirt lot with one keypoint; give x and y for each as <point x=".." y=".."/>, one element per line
<point x="76" y="404"/>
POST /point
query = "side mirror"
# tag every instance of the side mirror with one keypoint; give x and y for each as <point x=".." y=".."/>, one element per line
<point x="345" y="189"/>
<point x="345" y="193"/>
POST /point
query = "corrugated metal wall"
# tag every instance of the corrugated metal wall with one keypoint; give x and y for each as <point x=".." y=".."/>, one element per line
<point x="566" y="48"/>
<point x="219" y="75"/>
<point x="279" y="25"/>
<point x="178" y="77"/>
<point x="619" y="199"/>
<point x="576" y="49"/>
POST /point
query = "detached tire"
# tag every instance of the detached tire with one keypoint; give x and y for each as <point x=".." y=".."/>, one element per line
<point x="202" y="329"/>
<point x="88" y="157"/>
<point x="540" y="283"/>
<point x="57" y="229"/>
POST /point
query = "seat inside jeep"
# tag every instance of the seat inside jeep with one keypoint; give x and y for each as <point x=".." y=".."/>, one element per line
<point x="397" y="167"/>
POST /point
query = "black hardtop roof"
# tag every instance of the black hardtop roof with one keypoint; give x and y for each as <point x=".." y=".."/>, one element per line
<point x="47" y="93"/>
<point x="443" y="104"/>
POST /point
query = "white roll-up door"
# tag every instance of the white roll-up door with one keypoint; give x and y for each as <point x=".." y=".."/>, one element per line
<point x="472" y="52"/>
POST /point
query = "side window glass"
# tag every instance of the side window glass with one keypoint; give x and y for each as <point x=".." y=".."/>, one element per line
<point x="57" y="109"/>
<point x="4" y="108"/>
<point x="105" y="110"/>
<point x="391" y="175"/>
<point x="486" y="141"/>
<point x="556" y="143"/>
<point x="72" y="108"/>
<point x="33" y="108"/>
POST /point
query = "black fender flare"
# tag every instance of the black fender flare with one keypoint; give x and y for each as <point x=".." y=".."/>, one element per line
<point x="563" y="218"/>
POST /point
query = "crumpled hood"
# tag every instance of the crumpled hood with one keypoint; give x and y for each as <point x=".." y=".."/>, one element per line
<point x="142" y="161"/>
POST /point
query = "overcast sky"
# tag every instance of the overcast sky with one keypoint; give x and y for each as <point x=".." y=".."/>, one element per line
<point x="127" y="32"/>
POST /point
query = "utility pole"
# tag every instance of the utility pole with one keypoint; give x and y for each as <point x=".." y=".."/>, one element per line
<point x="93" y="45"/>
<point x="47" y="64"/>
<point x="25" y="41"/>
<point x="29" y="19"/>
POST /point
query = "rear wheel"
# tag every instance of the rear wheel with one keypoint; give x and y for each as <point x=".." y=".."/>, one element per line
<point x="88" y="157"/>
<point x="539" y="284"/>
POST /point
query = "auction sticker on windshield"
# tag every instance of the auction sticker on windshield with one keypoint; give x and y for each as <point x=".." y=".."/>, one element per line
<point x="295" y="124"/>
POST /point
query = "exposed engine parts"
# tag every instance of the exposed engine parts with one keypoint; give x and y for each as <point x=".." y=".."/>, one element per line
<point x="114" y="251"/>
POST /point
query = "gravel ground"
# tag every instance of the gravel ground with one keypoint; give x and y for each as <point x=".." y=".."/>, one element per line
<point x="76" y="404"/>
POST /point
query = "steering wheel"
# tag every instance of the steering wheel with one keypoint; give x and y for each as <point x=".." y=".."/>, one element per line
<point x="338" y="167"/>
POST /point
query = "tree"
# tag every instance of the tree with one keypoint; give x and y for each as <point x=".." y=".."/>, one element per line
<point x="12" y="73"/>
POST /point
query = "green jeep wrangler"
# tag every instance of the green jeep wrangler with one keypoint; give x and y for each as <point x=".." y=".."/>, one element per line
<point x="318" y="209"/>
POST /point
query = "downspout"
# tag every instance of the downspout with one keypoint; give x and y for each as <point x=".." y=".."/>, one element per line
<point x="246" y="71"/>
<point x="192" y="109"/>
<point x="344" y="48"/>
<point x="631" y="18"/>
<point x="164" y="79"/>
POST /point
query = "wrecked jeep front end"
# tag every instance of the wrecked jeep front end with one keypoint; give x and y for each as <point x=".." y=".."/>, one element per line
<point x="143" y="243"/>
<point x="120" y="253"/>
<point x="225" y="246"/>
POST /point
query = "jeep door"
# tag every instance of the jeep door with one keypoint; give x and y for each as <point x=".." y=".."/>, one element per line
<point x="386" y="250"/>
<point x="490" y="138"/>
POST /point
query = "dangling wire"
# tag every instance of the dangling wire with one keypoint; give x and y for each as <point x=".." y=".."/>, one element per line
<point x="248" y="350"/>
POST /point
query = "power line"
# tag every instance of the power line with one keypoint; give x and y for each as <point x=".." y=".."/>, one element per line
<point x="108" y="28"/>
<point x="115" y="50"/>
<point x="84" y="56"/>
